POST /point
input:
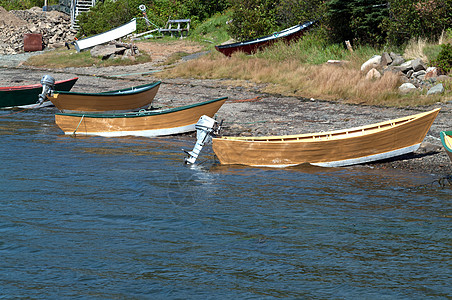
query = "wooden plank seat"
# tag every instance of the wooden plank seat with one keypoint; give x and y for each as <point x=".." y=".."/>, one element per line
<point x="181" y="26"/>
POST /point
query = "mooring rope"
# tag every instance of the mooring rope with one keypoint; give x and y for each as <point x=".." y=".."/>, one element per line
<point x="78" y="124"/>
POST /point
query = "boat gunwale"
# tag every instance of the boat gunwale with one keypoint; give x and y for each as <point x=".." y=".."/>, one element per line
<point x="330" y="135"/>
<point x="120" y="92"/>
<point x="269" y="37"/>
<point x="139" y="114"/>
<point x="443" y="135"/>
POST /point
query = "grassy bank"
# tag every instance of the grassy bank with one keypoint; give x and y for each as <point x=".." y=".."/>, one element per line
<point x="64" y="58"/>
<point x="301" y="70"/>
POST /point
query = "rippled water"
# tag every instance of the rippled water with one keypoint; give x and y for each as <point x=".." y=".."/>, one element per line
<point x="124" y="218"/>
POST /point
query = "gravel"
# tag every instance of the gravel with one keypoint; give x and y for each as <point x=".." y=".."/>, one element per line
<point x="251" y="112"/>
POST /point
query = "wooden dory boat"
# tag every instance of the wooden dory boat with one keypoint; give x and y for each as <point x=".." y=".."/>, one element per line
<point x="446" y="139"/>
<point x="251" y="46"/>
<point x="329" y="149"/>
<point x="111" y="101"/>
<point x="143" y="123"/>
<point x="27" y="95"/>
<point x="106" y="36"/>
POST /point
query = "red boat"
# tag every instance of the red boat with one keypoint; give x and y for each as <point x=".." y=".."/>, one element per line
<point x="28" y="95"/>
<point x="252" y="46"/>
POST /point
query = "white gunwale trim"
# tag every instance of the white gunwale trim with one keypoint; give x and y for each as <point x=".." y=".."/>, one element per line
<point x="355" y="161"/>
<point x="141" y="133"/>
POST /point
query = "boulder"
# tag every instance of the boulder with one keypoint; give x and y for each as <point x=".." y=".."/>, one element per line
<point x="418" y="73"/>
<point x="437" y="89"/>
<point x="417" y="65"/>
<point x="405" y="67"/>
<point x="407" y="88"/>
<point x="373" y="62"/>
<point x="385" y="59"/>
<point x="397" y="59"/>
<point x="373" y="74"/>
<point x="103" y="50"/>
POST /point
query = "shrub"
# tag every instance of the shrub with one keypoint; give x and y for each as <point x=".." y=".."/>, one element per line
<point x="444" y="60"/>
<point x="418" y="19"/>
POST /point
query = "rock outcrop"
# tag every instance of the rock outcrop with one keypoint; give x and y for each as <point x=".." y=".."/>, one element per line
<point x="54" y="26"/>
<point x="414" y="74"/>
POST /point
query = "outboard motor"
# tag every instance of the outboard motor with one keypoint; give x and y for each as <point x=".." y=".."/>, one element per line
<point x="48" y="85"/>
<point x="205" y="127"/>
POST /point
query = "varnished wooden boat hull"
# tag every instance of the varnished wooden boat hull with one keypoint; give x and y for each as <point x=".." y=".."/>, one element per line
<point x="252" y="46"/>
<point x="335" y="148"/>
<point x="446" y="139"/>
<point x="112" y="101"/>
<point x="27" y="95"/>
<point x="147" y="124"/>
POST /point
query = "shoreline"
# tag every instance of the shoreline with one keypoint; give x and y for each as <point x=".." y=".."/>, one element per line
<point x="251" y="112"/>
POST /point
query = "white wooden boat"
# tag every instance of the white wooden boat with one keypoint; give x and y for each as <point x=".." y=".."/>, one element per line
<point x="106" y="36"/>
<point x="122" y="100"/>
<point x="328" y="149"/>
<point x="142" y="123"/>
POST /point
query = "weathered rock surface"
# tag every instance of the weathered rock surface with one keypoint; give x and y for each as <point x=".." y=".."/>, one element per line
<point x="437" y="89"/>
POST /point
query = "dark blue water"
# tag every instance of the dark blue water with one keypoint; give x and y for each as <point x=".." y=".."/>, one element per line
<point x="123" y="218"/>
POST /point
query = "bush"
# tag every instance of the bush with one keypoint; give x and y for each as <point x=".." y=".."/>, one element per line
<point x="444" y="60"/>
<point x="24" y="4"/>
<point x="252" y="18"/>
<point x="109" y="14"/>
<point x="418" y="19"/>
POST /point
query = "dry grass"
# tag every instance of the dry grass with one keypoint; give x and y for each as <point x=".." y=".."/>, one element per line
<point x="328" y="82"/>
<point x="415" y="49"/>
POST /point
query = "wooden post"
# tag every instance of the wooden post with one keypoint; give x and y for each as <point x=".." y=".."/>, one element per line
<point x="349" y="46"/>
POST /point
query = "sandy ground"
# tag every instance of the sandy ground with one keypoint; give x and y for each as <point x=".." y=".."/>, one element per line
<point x="248" y="110"/>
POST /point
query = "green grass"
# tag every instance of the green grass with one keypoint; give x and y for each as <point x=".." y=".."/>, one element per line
<point x="213" y="31"/>
<point x="71" y="58"/>
<point x="313" y="50"/>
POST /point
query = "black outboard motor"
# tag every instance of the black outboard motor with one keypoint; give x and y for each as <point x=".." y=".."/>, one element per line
<point x="48" y="85"/>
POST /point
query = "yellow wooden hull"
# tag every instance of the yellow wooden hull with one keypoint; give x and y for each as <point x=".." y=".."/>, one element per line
<point x="148" y="124"/>
<point x="113" y="101"/>
<point x="336" y="148"/>
<point x="446" y="139"/>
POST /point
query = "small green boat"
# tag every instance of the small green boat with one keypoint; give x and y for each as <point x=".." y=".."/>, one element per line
<point x="27" y="95"/>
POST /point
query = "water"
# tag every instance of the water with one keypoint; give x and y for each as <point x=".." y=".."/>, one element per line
<point x="123" y="218"/>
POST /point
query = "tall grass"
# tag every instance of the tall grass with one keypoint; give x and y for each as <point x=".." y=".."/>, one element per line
<point x="300" y="70"/>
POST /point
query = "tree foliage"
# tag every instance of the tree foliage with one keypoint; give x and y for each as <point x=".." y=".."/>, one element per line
<point x="444" y="60"/>
<point x="418" y="19"/>
<point x="108" y="14"/>
<point x="356" y="20"/>
<point x="252" y="18"/>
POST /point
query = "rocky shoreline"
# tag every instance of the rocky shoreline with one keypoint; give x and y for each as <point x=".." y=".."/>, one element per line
<point x="251" y="112"/>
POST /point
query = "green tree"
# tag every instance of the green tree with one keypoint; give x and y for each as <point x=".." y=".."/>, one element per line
<point x="418" y="19"/>
<point x="252" y="18"/>
<point x="357" y="20"/>
<point x="292" y="12"/>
